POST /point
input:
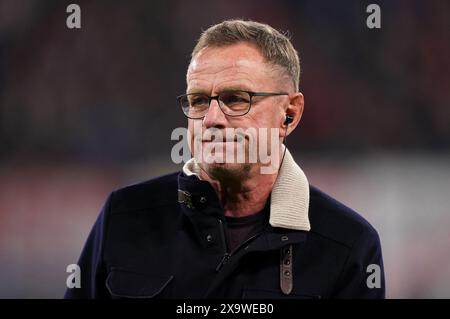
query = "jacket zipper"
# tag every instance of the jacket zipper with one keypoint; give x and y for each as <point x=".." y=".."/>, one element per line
<point x="227" y="255"/>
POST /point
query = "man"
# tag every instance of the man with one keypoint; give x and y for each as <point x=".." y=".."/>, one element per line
<point x="228" y="228"/>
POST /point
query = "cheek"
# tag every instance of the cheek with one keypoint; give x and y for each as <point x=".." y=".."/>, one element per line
<point x="267" y="127"/>
<point x="267" y="120"/>
<point x="190" y="133"/>
<point x="194" y="128"/>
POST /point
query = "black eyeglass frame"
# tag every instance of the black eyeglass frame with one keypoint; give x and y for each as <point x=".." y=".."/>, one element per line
<point x="216" y="97"/>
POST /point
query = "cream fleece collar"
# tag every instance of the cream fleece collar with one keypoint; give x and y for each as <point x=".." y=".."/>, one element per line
<point x="290" y="195"/>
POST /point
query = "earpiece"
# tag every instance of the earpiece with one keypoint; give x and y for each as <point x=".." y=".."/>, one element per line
<point x="289" y="119"/>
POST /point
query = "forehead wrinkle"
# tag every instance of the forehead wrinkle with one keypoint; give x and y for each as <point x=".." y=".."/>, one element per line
<point x="213" y="70"/>
<point x="240" y="79"/>
<point x="209" y="67"/>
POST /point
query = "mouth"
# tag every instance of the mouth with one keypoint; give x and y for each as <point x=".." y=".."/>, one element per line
<point x="220" y="141"/>
<point x="236" y="139"/>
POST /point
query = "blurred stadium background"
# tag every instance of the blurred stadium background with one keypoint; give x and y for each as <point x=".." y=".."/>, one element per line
<point x="83" y="112"/>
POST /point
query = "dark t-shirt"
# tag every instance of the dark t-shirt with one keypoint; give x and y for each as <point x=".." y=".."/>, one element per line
<point x="239" y="229"/>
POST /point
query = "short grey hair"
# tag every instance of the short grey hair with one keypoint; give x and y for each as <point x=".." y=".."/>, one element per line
<point x="275" y="46"/>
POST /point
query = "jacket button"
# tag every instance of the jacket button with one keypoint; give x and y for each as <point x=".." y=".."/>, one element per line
<point x="209" y="238"/>
<point x="284" y="238"/>
<point x="203" y="199"/>
<point x="287" y="273"/>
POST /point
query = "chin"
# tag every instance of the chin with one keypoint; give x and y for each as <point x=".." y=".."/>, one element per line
<point x="229" y="169"/>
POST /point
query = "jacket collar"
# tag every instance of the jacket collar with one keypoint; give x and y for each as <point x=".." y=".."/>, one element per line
<point x="290" y="194"/>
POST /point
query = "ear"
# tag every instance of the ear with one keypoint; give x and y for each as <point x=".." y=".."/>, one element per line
<point x="295" y="110"/>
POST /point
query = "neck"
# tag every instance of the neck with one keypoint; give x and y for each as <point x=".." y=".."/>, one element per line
<point x="241" y="193"/>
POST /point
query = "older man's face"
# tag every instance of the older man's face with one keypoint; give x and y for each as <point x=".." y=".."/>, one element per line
<point x="236" y="67"/>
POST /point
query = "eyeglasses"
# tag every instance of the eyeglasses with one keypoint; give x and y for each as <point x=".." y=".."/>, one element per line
<point x="232" y="103"/>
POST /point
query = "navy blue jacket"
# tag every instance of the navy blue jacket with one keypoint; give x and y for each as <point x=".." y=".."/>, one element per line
<point x="145" y="244"/>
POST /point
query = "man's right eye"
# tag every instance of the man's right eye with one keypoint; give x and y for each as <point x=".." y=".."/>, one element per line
<point x="198" y="101"/>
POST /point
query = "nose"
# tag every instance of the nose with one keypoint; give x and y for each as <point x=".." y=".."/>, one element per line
<point x="214" y="117"/>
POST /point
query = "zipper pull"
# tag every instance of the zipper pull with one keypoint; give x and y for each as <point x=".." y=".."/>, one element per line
<point x="223" y="261"/>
